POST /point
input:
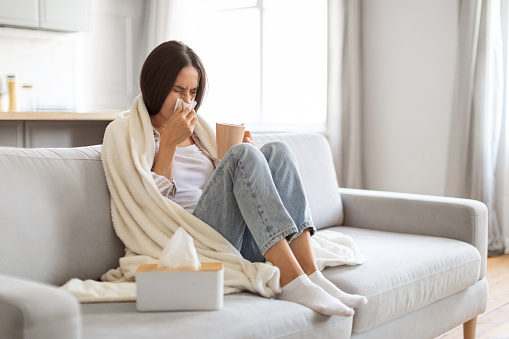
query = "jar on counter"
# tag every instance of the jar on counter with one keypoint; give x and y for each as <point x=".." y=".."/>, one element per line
<point x="1" y="94"/>
<point x="11" y="85"/>
<point x="28" y="103"/>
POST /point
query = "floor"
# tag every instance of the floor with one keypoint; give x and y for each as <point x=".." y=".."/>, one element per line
<point x="494" y="323"/>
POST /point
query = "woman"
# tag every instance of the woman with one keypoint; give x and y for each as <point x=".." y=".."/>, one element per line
<point x="254" y="198"/>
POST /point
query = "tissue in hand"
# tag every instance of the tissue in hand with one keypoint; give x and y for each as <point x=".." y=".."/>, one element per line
<point x="179" y="281"/>
<point x="185" y="104"/>
<point x="179" y="252"/>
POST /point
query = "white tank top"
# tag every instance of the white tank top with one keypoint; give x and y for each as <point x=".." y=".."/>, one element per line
<point x="192" y="169"/>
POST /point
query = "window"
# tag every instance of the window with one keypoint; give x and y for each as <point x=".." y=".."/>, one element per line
<point x="266" y="61"/>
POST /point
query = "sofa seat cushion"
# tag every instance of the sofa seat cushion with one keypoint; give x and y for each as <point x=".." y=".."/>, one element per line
<point x="403" y="273"/>
<point x="244" y="315"/>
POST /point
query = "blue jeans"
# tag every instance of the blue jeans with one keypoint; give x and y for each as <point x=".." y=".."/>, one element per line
<point x="255" y="198"/>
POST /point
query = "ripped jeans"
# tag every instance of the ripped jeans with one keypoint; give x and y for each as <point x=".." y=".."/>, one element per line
<point x="255" y="198"/>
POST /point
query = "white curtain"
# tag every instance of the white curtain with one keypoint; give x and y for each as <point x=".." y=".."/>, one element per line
<point x="154" y="30"/>
<point x="477" y="112"/>
<point x="344" y="91"/>
<point x="157" y="19"/>
<point x="165" y="20"/>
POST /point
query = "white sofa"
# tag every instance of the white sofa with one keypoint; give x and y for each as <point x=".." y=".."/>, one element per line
<point x="423" y="275"/>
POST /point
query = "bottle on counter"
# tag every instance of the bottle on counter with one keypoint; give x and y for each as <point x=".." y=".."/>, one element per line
<point x="1" y="95"/>
<point x="27" y="98"/>
<point x="13" y="100"/>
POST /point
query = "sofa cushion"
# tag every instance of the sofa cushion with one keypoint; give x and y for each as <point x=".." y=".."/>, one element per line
<point x="403" y="273"/>
<point x="314" y="157"/>
<point x="55" y="210"/>
<point x="244" y="315"/>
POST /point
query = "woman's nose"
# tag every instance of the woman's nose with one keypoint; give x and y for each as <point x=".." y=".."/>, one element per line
<point x="187" y="97"/>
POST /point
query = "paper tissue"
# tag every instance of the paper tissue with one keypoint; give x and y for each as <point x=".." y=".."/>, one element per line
<point x="179" y="281"/>
<point x="179" y="252"/>
<point x="185" y="104"/>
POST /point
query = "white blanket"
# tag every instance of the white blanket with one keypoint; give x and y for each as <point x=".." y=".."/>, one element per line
<point x="145" y="220"/>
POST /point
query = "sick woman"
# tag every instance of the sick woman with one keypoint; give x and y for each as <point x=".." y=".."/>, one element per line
<point x="247" y="210"/>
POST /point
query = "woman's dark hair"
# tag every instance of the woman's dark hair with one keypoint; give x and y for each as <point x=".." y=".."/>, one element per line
<point x="161" y="69"/>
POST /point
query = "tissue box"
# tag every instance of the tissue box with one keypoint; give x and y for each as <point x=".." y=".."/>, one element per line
<point x="179" y="289"/>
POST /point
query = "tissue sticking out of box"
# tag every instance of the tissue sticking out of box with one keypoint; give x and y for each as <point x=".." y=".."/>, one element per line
<point x="179" y="252"/>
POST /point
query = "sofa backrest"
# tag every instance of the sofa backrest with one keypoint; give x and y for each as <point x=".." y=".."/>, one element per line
<point x="55" y="221"/>
<point x="316" y="167"/>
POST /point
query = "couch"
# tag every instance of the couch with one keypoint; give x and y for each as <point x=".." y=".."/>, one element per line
<point x="424" y="272"/>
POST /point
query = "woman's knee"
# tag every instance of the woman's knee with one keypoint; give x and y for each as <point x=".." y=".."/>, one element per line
<point x="277" y="148"/>
<point x="244" y="149"/>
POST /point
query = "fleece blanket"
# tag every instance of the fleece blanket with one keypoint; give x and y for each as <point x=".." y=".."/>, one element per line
<point x="145" y="220"/>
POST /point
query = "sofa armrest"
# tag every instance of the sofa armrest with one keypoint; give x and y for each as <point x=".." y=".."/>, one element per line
<point x="34" y="310"/>
<point x="461" y="219"/>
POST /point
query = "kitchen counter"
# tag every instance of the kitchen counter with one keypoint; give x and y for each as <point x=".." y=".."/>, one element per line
<point x="53" y="129"/>
<point x="60" y="116"/>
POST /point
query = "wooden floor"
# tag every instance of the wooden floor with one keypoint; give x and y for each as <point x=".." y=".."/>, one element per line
<point x="494" y="323"/>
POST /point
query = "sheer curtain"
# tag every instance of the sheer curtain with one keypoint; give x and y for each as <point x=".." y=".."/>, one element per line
<point x="477" y="113"/>
<point x="344" y="91"/>
<point x="164" y="20"/>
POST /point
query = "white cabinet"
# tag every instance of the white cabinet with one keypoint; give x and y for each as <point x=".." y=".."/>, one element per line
<point x="65" y="15"/>
<point x="22" y="13"/>
<point x="56" y="15"/>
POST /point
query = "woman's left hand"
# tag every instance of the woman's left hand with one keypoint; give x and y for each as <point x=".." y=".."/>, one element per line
<point x="248" y="138"/>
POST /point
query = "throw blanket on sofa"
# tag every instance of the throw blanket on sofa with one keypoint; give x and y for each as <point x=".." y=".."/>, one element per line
<point x="145" y="220"/>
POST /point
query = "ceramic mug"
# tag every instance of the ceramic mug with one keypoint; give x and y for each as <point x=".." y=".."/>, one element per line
<point x="228" y="135"/>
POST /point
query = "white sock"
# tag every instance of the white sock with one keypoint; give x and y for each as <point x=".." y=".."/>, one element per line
<point x="302" y="291"/>
<point x="350" y="300"/>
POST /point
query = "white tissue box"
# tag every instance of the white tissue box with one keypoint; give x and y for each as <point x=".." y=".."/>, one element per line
<point x="179" y="289"/>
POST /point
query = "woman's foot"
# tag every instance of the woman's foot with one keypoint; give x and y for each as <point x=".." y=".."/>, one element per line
<point x="303" y="291"/>
<point x="350" y="300"/>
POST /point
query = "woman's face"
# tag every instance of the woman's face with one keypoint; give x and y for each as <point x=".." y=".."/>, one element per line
<point x="185" y="88"/>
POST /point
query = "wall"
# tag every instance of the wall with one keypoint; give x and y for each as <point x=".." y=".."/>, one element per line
<point x="90" y="70"/>
<point x="409" y="50"/>
<point x="107" y="52"/>
<point x="46" y="60"/>
<point x="409" y="53"/>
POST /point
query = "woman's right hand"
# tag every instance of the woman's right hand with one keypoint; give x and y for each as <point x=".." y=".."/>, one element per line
<point x="179" y="127"/>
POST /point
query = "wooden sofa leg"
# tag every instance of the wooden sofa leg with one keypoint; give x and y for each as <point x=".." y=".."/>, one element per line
<point x="469" y="329"/>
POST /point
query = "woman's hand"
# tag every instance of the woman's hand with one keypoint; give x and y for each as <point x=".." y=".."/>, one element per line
<point x="179" y="127"/>
<point x="248" y="138"/>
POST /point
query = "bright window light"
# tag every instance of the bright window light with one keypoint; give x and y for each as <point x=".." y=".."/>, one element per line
<point x="266" y="61"/>
<point x="294" y="62"/>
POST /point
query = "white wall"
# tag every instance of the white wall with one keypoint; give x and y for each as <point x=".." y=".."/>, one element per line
<point x="91" y="70"/>
<point x="46" y="60"/>
<point x="409" y="53"/>
<point x="409" y="50"/>
<point x="108" y="55"/>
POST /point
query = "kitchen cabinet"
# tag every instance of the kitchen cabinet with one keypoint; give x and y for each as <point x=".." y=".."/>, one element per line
<point x="64" y="15"/>
<point x="63" y="133"/>
<point x="11" y="133"/>
<point x="53" y="129"/>
<point x="55" y="15"/>
<point x="21" y="13"/>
